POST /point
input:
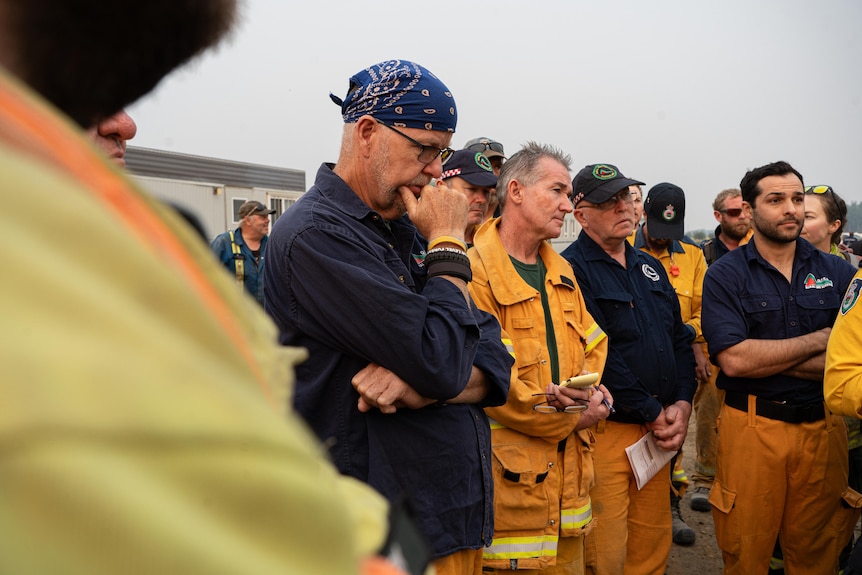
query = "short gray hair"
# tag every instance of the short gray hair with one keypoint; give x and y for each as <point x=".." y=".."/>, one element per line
<point x="523" y="164"/>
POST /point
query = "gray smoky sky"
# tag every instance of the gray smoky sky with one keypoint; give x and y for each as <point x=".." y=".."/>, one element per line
<point x="686" y="92"/>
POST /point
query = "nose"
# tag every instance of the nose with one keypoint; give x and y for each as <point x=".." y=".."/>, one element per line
<point x="434" y="168"/>
<point x="120" y="125"/>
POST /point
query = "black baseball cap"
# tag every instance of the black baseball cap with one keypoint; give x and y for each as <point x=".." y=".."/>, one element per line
<point x="665" y="211"/>
<point x="474" y="167"/>
<point x="597" y="183"/>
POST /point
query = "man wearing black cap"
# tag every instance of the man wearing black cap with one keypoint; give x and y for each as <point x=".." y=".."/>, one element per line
<point x="401" y="361"/>
<point x="649" y="371"/>
<point x="241" y="250"/>
<point x="662" y="236"/>
<point x="470" y="173"/>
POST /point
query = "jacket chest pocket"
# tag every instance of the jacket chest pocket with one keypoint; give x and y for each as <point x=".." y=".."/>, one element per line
<point x="528" y="345"/>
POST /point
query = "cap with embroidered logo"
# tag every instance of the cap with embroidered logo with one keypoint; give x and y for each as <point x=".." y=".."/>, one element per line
<point x="473" y="167"/>
<point x="664" y="208"/>
<point x="598" y="183"/>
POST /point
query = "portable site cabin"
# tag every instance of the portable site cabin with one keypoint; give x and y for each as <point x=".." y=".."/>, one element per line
<point x="211" y="188"/>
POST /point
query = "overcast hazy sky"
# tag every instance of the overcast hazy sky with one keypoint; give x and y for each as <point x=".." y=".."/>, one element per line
<point x="688" y="92"/>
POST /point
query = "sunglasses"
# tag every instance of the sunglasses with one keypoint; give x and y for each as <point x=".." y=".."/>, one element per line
<point x="732" y="212"/>
<point x="427" y="154"/>
<point x="482" y="146"/>
<point x="820" y="190"/>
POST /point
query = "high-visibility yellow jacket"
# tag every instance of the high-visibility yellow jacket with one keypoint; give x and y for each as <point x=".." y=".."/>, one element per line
<point x="145" y="426"/>
<point x="842" y="380"/>
<point x="543" y="468"/>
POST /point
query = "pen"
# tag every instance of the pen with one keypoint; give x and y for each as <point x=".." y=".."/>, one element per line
<point x="606" y="402"/>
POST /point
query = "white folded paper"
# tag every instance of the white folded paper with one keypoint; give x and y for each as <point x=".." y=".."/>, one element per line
<point x="647" y="458"/>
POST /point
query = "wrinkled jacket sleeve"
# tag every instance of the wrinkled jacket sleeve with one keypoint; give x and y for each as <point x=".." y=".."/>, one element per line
<point x="428" y="339"/>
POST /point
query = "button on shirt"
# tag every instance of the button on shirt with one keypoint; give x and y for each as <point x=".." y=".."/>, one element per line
<point x="744" y="297"/>
<point x="350" y="287"/>
<point x="650" y="361"/>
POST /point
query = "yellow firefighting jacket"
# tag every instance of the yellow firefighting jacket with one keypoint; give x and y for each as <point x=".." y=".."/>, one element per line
<point x="543" y="468"/>
<point x="842" y="381"/>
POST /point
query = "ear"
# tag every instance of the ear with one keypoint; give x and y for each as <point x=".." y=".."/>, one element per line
<point x="515" y="192"/>
<point x="579" y="216"/>
<point x="748" y="209"/>
<point x="717" y="216"/>
<point x="364" y="133"/>
<point x="833" y="227"/>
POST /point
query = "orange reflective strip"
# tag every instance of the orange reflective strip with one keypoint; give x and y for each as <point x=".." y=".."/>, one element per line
<point x="66" y="148"/>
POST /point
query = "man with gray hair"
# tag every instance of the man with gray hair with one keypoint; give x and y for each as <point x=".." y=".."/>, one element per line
<point x="543" y="512"/>
<point x="401" y="361"/>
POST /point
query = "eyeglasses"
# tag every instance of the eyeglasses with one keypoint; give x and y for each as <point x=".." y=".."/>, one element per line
<point x="482" y="146"/>
<point x="427" y="154"/>
<point x="820" y="190"/>
<point x="732" y="212"/>
<point x="546" y="407"/>
<point x="609" y="204"/>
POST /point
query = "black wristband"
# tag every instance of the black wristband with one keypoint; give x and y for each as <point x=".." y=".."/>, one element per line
<point x="458" y="269"/>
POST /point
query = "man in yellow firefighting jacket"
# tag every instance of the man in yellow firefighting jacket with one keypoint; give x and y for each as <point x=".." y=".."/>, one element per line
<point x="541" y="441"/>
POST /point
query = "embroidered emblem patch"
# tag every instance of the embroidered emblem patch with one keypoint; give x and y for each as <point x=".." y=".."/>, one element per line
<point x="669" y="213"/>
<point x="812" y="283"/>
<point x="852" y="295"/>
<point x="649" y="272"/>
<point x="483" y="162"/>
<point x="603" y="172"/>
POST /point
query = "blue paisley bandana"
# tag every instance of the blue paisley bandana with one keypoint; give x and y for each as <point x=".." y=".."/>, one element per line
<point x="399" y="93"/>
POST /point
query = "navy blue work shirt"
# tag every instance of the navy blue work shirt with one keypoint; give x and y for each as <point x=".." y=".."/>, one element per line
<point x="350" y="287"/>
<point x="650" y="361"/>
<point x="252" y="268"/>
<point x="745" y="297"/>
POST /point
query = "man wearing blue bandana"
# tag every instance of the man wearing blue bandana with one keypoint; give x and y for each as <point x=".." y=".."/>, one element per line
<point x="401" y="362"/>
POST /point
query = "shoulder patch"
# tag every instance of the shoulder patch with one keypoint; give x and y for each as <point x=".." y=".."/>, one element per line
<point x="851" y="296"/>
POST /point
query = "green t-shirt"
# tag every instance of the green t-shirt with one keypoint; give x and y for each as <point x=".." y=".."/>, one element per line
<point x="534" y="275"/>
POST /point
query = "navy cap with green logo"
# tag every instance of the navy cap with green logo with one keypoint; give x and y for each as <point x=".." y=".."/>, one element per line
<point x="664" y="208"/>
<point x="597" y="183"/>
<point x="471" y="166"/>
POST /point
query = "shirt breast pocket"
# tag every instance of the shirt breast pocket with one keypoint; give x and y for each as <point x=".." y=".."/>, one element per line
<point x="619" y="314"/>
<point x="817" y="308"/>
<point x="763" y="312"/>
